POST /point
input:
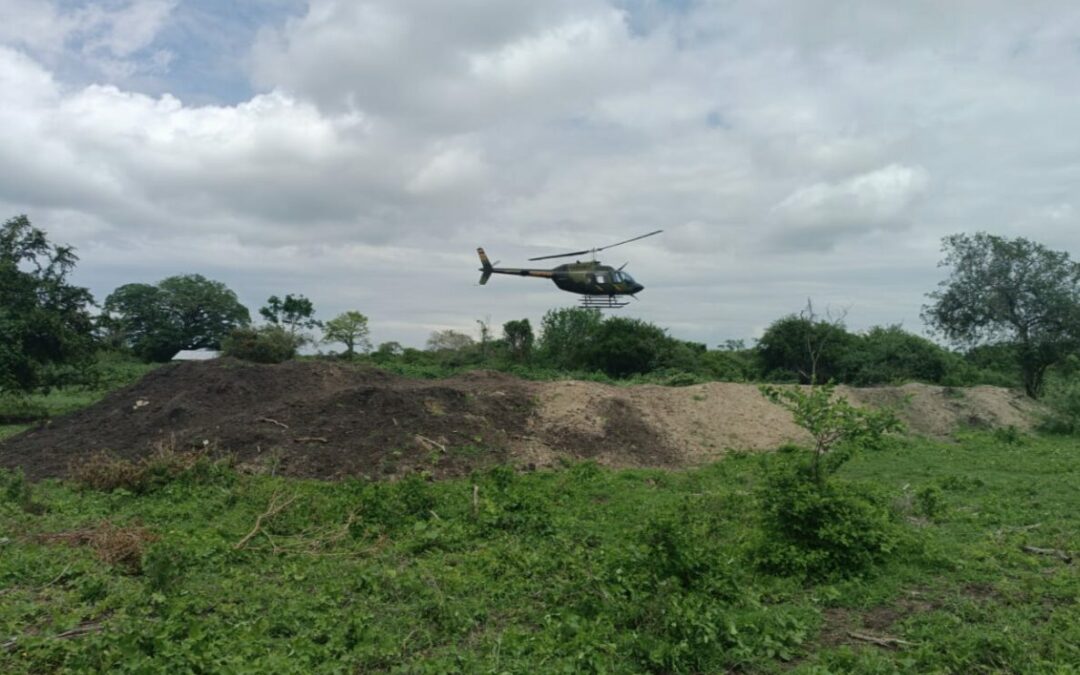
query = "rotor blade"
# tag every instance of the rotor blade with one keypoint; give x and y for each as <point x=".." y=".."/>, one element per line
<point x="563" y="255"/>
<point x="628" y="240"/>
<point x="624" y="265"/>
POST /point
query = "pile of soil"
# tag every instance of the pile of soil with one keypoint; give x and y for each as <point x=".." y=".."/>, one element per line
<point x="326" y="420"/>
<point x="307" y="418"/>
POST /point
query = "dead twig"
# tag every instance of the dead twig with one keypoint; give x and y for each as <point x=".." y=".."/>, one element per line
<point x="310" y="439"/>
<point x="880" y="641"/>
<point x="273" y="421"/>
<point x="1064" y="556"/>
<point x="77" y="631"/>
<point x="273" y="508"/>
<point x="429" y="444"/>
<point x="475" y="499"/>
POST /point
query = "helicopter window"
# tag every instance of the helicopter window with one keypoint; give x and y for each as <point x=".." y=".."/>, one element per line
<point x="626" y="277"/>
<point x="600" y="279"/>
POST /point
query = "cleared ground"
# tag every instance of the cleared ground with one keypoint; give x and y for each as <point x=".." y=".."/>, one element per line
<point x="321" y="419"/>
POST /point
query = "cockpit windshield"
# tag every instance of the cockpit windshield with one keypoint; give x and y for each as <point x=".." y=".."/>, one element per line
<point x="624" y="277"/>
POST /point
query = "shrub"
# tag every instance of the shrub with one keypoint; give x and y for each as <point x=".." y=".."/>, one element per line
<point x="16" y="409"/>
<point x="809" y="349"/>
<point x="835" y="529"/>
<point x="812" y="524"/>
<point x="888" y="355"/>
<point x="1062" y="401"/>
<point x="268" y="344"/>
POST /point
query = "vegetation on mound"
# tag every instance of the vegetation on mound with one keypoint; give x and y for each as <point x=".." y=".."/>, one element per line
<point x="578" y="570"/>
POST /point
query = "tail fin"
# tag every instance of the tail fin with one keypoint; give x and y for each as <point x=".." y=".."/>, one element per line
<point x="486" y="266"/>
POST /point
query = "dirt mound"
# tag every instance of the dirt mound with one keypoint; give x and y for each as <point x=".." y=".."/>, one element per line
<point x="306" y="418"/>
<point x="327" y="419"/>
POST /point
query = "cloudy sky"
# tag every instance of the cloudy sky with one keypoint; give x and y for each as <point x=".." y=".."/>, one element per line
<point x="358" y="152"/>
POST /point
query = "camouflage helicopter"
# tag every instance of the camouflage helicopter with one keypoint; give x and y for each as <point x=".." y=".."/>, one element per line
<point x="599" y="285"/>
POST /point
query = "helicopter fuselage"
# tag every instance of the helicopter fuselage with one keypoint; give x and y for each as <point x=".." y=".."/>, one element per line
<point x="584" y="278"/>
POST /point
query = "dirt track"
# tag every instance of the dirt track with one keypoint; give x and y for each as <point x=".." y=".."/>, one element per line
<point x="326" y="420"/>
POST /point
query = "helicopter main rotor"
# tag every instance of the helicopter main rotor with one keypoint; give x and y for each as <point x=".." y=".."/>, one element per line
<point x="593" y="251"/>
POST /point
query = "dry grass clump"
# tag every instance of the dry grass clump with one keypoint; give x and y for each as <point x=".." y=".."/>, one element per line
<point x="112" y="544"/>
<point x="106" y="472"/>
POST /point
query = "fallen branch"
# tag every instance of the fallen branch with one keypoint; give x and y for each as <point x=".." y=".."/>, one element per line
<point x="273" y="421"/>
<point x="77" y="631"/>
<point x="429" y="444"/>
<point x="273" y="508"/>
<point x="1055" y="552"/>
<point x="310" y="439"/>
<point x="475" y="498"/>
<point x="880" y="641"/>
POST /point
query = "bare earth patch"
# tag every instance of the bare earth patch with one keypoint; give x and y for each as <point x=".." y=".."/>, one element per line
<point x="325" y="419"/>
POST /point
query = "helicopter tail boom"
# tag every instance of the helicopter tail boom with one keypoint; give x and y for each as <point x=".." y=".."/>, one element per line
<point x="486" y="267"/>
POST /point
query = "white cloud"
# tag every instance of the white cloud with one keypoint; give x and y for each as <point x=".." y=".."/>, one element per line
<point x="817" y="214"/>
<point x="788" y="150"/>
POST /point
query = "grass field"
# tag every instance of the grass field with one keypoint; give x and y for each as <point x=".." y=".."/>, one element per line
<point x="578" y="570"/>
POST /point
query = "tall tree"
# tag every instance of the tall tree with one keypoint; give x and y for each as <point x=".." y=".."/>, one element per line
<point x="519" y="339"/>
<point x="44" y="319"/>
<point x="1009" y="292"/>
<point x="295" y="313"/>
<point x="350" y="329"/>
<point x="566" y="336"/>
<point x="181" y="312"/>
<point x="448" y="340"/>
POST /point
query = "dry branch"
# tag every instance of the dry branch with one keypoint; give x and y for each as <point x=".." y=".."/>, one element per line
<point x="77" y="631"/>
<point x="1054" y="552"/>
<point x="880" y="641"/>
<point x="272" y="509"/>
<point x="429" y="444"/>
<point x="310" y="439"/>
<point x="273" y="421"/>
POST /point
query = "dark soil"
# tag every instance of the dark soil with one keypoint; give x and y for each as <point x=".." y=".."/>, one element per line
<point x="306" y="418"/>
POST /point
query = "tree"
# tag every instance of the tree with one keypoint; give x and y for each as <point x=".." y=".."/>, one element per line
<point x="180" y="312"/>
<point x="351" y="329"/>
<point x="1009" y="291"/>
<point x="294" y="313"/>
<point x="805" y="347"/>
<point x="622" y="347"/>
<point x="389" y="349"/>
<point x="519" y="340"/>
<point x="566" y="336"/>
<point x="44" y="319"/>
<point x="265" y="344"/>
<point x="449" y="340"/>
<point x="891" y="355"/>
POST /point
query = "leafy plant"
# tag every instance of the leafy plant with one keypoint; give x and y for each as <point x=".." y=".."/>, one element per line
<point x="266" y="344"/>
<point x="836" y="426"/>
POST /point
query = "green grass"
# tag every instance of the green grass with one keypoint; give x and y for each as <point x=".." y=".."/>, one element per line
<point x="579" y="570"/>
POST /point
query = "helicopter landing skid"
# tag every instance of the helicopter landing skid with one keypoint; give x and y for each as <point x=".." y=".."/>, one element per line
<point x="601" y="302"/>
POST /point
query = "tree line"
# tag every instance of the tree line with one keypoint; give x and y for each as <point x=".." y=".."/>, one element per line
<point x="1009" y="311"/>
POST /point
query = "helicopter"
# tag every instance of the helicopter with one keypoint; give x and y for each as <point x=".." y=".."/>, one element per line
<point x="601" y="286"/>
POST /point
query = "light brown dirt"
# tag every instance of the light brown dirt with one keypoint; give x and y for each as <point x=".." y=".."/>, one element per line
<point x="700" y="423"/>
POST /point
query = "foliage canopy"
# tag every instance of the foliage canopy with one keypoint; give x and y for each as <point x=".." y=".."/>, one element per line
<point x="45" y="323"/>
<point x="351" y="329"/>
<point x="181" y="312"/>
<point x="1013" y="292"/>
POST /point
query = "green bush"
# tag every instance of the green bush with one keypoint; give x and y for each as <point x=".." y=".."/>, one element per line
<point x="784" y="350"/>
<point x="16" y="409"/>
<point x="1062" y="401"/>
<point x="268" y="344"/>
<point x="891" y="355"/>
<point x="831" y="530"/>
